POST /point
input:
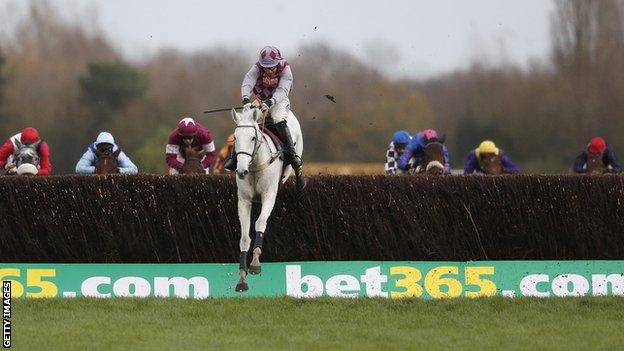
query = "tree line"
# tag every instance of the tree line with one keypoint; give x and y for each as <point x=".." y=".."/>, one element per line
<point x="69" y="81"/>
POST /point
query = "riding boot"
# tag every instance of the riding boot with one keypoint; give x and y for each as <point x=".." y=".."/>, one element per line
<point x="230" y="162"/>
<point x="290" y="155"/>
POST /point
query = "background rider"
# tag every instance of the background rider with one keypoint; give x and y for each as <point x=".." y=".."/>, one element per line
<point x="105" y="143"/>
<point x="28" y="136"/>
<point x="474" y="159"/>
<point x="415" y="150"/>
<point x="397" y="146"/>
<point x="598" y="146"/>
<point x="189" y="133"/>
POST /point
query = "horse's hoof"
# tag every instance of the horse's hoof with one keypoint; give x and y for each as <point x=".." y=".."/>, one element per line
<point x="241" y="287"/>
<point x="255" y="270"/>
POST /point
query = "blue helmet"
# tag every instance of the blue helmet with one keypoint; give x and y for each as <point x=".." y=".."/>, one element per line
<point x="401" y="137"/>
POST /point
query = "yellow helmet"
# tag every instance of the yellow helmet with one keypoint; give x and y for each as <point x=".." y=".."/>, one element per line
<point x="486" y="147"/>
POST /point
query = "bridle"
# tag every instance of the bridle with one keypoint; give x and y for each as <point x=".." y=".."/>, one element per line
<point x="257" y="144"/>
<point x="27" y="155"/>
<point x="259" y="141"/>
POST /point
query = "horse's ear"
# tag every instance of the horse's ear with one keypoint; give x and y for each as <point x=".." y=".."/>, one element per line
<point x="98" y="153"/>
<point x="19" y="144"/>
<point x="257" y="114"/>
<point x="36" y="145"/>
<point x="235" y="116"/>
<point x="116" y="153"/>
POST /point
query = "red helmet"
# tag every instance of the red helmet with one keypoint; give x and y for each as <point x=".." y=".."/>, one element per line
<point x="29" y="135"/>
<point x="187" y="127"/>
<point x="270" y="56"/>
<point x="597" y="145"/>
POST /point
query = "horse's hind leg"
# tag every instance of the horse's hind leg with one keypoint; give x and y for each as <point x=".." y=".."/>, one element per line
<point x="244" y="216"/>
<point x="268" y="201"/>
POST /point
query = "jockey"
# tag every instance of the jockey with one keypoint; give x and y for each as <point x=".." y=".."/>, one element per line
<point x="104" y="143"/>
<point x="473" y="162"/>
<point x="397" y="146"/>
<point x="598" y="145"/>
<point x="270" y="80"/>
<point x="223" y="154"/>
<point x="189" y="133"/>
<point x="9" y="151"/>
<point x="415" y="150"/>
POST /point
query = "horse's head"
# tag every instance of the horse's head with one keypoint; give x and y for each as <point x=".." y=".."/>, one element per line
<point x="595" y="165"/>
<point x="106" y="161"/>
<point x="27" y="159"/>
<point x="432" y="161"/>
<point x="246" y="139"/>
<point x="491" y="163"/>
<point x="192" y="160"/>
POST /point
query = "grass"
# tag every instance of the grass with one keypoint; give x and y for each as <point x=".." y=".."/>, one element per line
<point x="320" y="324"/>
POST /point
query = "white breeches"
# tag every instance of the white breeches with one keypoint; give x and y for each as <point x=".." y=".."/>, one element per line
<point x="279" y="111"/>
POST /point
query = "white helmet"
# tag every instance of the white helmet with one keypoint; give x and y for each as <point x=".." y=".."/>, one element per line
<point x="270" y="56"/>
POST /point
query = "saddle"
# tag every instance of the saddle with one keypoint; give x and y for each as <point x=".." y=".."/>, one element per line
<point x="264" y="127"/>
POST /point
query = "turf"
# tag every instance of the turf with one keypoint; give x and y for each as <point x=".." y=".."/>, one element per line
<point x="321" y="324"/>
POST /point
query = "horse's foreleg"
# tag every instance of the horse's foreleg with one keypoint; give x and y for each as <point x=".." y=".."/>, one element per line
<point x="244" y="216"/>
<point x="268" y="201"/>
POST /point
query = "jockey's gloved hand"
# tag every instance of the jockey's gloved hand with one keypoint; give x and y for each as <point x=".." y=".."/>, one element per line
<point x="246" y="103"/>
<point x="266" y="105"/>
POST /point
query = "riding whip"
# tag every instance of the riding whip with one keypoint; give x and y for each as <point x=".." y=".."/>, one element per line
<point x="222" y="109"/>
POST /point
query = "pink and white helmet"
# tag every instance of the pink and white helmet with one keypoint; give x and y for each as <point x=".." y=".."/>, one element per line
<point x="429" y="134"/>
<point x="270" y="56"/>
<point x="187" y="127"/>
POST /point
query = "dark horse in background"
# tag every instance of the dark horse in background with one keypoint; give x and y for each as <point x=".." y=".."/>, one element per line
<point x="192" y="160"/>
<point x="106" y="162"/>
<point x="432" y="162"/>
<point x="491" y="163"/>
<point x="595" y="164"/>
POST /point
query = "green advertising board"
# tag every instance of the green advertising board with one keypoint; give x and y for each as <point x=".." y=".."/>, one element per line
<point x="424" y="280"/>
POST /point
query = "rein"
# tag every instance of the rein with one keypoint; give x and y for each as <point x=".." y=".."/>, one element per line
<point x="257" y="145"/>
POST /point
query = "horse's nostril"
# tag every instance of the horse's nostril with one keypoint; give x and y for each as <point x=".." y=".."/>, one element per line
<point x="242" y="174"/>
